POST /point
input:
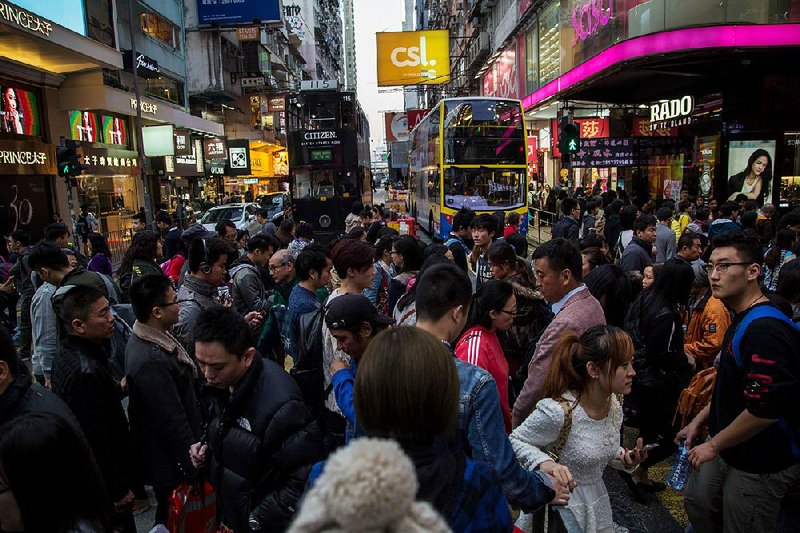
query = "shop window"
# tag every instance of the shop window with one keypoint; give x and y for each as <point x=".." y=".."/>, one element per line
<point x="549" y="44"/>
<point x="166" y="89"/>
<point x="161" y="29"/>
<point x="100" y="24"/>
<point x="532" y="60"/>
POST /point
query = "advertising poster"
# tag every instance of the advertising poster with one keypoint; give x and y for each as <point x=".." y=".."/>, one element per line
<point x="114" y="131"/>
<point x="750" y="170"/>
<point x="396" y="126"/>
<point x="83" y="126"/>
<point x="238" y="12"/>
<point x="20" y="112"/>
<point x="413" y="57"/>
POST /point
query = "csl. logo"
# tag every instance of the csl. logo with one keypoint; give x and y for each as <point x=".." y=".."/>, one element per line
<point x="417" y="55"/>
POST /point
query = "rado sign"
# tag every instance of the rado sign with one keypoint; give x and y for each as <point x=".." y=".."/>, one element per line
<point x="671" y="113"/>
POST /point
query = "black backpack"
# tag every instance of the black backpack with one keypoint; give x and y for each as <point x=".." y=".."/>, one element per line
<point x="307" y="370"/>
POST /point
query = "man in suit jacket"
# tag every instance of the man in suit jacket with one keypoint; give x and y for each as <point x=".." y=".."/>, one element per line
<point x="558" y="269"/>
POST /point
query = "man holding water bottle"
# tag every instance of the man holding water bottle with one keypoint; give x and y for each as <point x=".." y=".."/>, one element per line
<point x="746" y="466"/>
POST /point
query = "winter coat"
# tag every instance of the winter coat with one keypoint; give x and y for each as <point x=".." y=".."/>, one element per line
<point x="636" y="256"/>
<point x="567" y="228"/>
<point x="22" y="397"/>
<point x="164" y="412"/>
<point x="708" y="321"/>
<point x="263" y="441"/>
<point x="139" y="268"/>
<point x="247" y="288"/>
<point x="195" y="296"/>
<point x="722" y="225"/>
<point x="533" y="315"/>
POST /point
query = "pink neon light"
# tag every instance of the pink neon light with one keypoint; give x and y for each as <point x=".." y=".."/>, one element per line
<point x="671" y="41"/>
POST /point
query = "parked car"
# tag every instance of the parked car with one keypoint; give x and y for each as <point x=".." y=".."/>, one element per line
<point x="243" y="215"/>
<point x="274" y="202"/>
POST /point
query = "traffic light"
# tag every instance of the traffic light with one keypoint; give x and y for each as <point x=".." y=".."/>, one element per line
<point x="69" y="164"/>
<point x="569" y="136"/>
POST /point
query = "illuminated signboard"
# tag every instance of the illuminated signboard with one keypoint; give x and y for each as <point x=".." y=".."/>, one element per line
<point x="67" y="13"/>
<point x="588" y="16"/>
<point x="238" y="12"/>
<point x="83" y="126"/>
<point x="413" y="58"/>
<point x="115" y="130"/>
<point x="20" y="112"/>
<point x="322" y="155"/>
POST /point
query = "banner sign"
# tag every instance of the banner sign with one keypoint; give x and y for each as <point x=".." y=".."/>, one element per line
<point x="238" y="11"/>
<point x="26" y="157"/>
<point x="626" y="151"/>
<point x="238" y="157"/>
<point x="413" y="58"/>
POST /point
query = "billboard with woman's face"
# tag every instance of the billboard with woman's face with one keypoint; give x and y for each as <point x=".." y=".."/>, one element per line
<point x="20" y="111"/>
<point x="114" y="130"/>
<point x="750" y="167"/>
<point x="83" y="126"/>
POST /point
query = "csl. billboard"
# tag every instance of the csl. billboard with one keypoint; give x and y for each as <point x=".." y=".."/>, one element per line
<point x="413" y="58"/>
<point x="238" y="11"/>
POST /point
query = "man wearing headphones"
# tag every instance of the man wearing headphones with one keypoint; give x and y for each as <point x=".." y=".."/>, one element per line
<point x="207" y="270"/>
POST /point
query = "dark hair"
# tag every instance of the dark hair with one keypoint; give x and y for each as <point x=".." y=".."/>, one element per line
<point x="78" y="302"/>
<point x="99" y="244"/>
<point x="408" y="247"/>
<point x="208" y="251"/>
<point x="225" y="326"/>
<point x="8" y="354"/>
<point x="568" y="204"/>
<point x="366" y="213"/>
<point x="144" y="247"/>
<point x="384" y="244"/>
<point x="441" y="288"/>
<point x="664" y="213"/>
<point x="615" y="206"/>
<point x="242" y="234"/>
<point x="728" y="208"/>
<point x="561" y="254"/>
<point x="220" y="227"/>
<point x="356" y="208"/>
<point x="21" y="236"/>
<point x="749" y="219"/>
<point x="611" y="287"/>
<point x="792" y="218"/>
<point x="593" y="203"/>
<point x="140" y="216"/>
<point x="146" y="292"/>
<point x="596" y="257"/>
<point x="766" y="176"/>
<point x="163" y="216"/>
<point x="514" y="218"/>
<point x="519" y="242"/>
<point x="607" y="347"/>
<point x="350" y="253"/>
<point x="501" y="252"/>
<point x="627" y="217"/>
<point x="434" y="248"/>
<point x="286" y="227"/>
<point x="312" y="257"/>
<point x="748" y="248"/>
<point x="47" y="254"/>
<point x="671" y="288"/>
<point x="411" y="295"/>
<point x="356" y="233"/>
<point x="463" y="219"/>
<point x="643" y="222"/>
<point x="491" y="296"/>
<point x="56" y="230"/>
<point x="593" y="240"/>
<point x="53" y="474"/>
<point x="789" y="281"/>
<point x="305" y="230"/>
<point x="262" y="242"/>
<point x="684" y="205"/>
<point x="485" y="221"/>
<point x="263" y="213"/>
<point x="784" y="241"/>
<point x="407" y="387"/>
<point x="687" y="240"/>
<point x="703" y="213"/>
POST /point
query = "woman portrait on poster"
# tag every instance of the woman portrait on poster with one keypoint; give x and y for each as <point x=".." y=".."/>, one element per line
<point x="755" y="180"/>
<point x="12" y="117"/>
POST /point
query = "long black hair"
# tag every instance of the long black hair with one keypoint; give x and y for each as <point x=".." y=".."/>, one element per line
<point x="491" y="296"/>
<point x="51" y="471"/>
<point x="784" y="241"/>
<point x="99" y="244"/>
<point x="611" y="287"/>
<point x="671" y="289"/>
<point x="143" y="247"/>
<point x="408" y="247"/>
<point x="766" y="176"/>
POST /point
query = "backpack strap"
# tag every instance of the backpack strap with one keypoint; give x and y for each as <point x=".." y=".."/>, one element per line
<point x="764" y="311"/>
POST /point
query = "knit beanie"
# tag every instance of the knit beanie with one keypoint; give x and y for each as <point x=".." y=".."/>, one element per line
<point x="368" y="486"/>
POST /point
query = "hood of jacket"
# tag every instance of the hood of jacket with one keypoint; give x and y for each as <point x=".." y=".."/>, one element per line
<point x="197" y="285"/>
<point x="243" y="263"/>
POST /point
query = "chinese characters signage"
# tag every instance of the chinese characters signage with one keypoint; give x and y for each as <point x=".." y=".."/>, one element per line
<point x="214" y="148"/>
<point x="626" y="151"/>
<point x="107" y="162"/>
<point x="26" y="157"/>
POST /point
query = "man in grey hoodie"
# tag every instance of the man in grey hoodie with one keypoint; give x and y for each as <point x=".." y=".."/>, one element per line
<point x="247" y="288"/>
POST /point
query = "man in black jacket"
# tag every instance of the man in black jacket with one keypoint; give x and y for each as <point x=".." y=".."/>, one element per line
<point x="568" y="227"/>
<point x="82" y="378"/>
<point x="164" y="411"/>
<point x="263" y="439"/>
<point x="248" y="291"/>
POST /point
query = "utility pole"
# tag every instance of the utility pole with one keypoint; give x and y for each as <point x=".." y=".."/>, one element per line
<point x="138" y="127"/>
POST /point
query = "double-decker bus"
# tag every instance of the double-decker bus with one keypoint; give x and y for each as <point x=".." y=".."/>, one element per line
<point x="468" y="152"/>
<point x="329" y="159"/>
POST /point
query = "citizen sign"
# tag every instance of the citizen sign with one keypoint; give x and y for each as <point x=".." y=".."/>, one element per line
<point x="317" y="135"/>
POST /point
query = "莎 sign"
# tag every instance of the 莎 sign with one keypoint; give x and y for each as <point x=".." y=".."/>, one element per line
<point x="588" y="16"/>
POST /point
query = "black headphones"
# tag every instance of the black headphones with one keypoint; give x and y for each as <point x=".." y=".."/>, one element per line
<point x="205" y="266"/>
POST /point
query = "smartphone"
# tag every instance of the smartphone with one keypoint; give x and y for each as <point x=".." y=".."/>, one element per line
<point x="648" y="447"/>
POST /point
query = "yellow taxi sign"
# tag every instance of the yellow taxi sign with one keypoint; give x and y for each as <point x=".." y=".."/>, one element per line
<point x="413" y="57"/>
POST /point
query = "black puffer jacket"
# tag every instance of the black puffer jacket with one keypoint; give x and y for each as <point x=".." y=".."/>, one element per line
<point x="23" y="397"/>
<point x="263" y="442"/>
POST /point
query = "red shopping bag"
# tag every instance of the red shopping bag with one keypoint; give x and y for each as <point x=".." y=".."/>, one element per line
<point x="193" y="509"/>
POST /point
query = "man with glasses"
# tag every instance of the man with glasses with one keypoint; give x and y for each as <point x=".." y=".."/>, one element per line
<point x="746" y="466"/>
<point x="164" y="412"/>
<point x="271" y="343"/>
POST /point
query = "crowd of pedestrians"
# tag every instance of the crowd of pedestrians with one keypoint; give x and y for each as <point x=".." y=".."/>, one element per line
<point x="474" y="386"/>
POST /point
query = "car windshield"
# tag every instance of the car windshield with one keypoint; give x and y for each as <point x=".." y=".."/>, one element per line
<point x="226" y="213"/>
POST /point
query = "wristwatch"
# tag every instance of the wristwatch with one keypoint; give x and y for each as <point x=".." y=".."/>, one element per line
<point x="254" y="524"/>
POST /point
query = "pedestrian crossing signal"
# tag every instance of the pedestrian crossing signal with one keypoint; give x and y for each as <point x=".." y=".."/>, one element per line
<point x="569" y="137"/>
<point x="68" y="159"/>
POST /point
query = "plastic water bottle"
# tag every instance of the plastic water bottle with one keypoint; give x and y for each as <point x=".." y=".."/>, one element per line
<point x="680" y="468"/>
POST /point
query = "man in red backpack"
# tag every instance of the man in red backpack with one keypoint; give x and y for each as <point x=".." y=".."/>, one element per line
<point x="746" y="466"/>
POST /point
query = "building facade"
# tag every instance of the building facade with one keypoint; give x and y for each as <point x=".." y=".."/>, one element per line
<point x="350" y="71"/>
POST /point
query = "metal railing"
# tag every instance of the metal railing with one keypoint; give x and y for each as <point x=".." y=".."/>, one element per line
<point x="540" y="225"/>
<point x="118" y="243"/>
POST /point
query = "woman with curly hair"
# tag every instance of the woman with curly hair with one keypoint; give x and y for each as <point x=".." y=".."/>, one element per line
<point x="140" y="259"/>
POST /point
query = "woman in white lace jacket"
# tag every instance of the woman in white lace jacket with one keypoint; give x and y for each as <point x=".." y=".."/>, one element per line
<point x="585" y="377"/>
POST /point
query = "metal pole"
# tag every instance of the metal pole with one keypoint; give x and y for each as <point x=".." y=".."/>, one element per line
<point x="138" y="127"/>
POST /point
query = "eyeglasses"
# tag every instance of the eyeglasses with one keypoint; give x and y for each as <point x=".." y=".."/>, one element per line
<point x="273" y="268"/>
<point x="176" y="302"/>
<point x="509" y="313"/>
<point x="723" y="267"/>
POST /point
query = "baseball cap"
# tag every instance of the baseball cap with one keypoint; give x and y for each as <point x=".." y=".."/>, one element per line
<point x="348" y="311"/>
<point x="197" y="230"/>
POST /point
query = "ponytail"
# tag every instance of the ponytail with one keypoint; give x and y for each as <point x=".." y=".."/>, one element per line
<point x="562" y="375"/>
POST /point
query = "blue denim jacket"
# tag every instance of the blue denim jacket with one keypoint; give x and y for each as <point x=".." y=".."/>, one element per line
<point x="483" y="435"/>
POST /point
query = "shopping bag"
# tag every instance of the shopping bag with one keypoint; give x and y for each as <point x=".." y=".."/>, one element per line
<point x="192" y="509"/>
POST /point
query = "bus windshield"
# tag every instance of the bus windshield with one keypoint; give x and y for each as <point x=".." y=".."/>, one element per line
<point x="484" y="188"/>
<point x="315" y="184"/>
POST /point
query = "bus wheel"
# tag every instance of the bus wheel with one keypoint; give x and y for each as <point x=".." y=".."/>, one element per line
<point x="430" y="223"/>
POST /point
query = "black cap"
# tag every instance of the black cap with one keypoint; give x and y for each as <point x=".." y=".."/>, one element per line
<point x="348" y="311"/>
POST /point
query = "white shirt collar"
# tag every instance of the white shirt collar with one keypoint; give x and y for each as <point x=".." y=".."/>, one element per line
<point x="557" y="306"/>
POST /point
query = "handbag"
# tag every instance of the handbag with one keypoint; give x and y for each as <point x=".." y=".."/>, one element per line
<point x="192" y="509"/>
<point x="547" y="519"/>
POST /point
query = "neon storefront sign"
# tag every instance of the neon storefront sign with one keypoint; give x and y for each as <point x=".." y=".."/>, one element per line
<point x="589" y="16"/>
